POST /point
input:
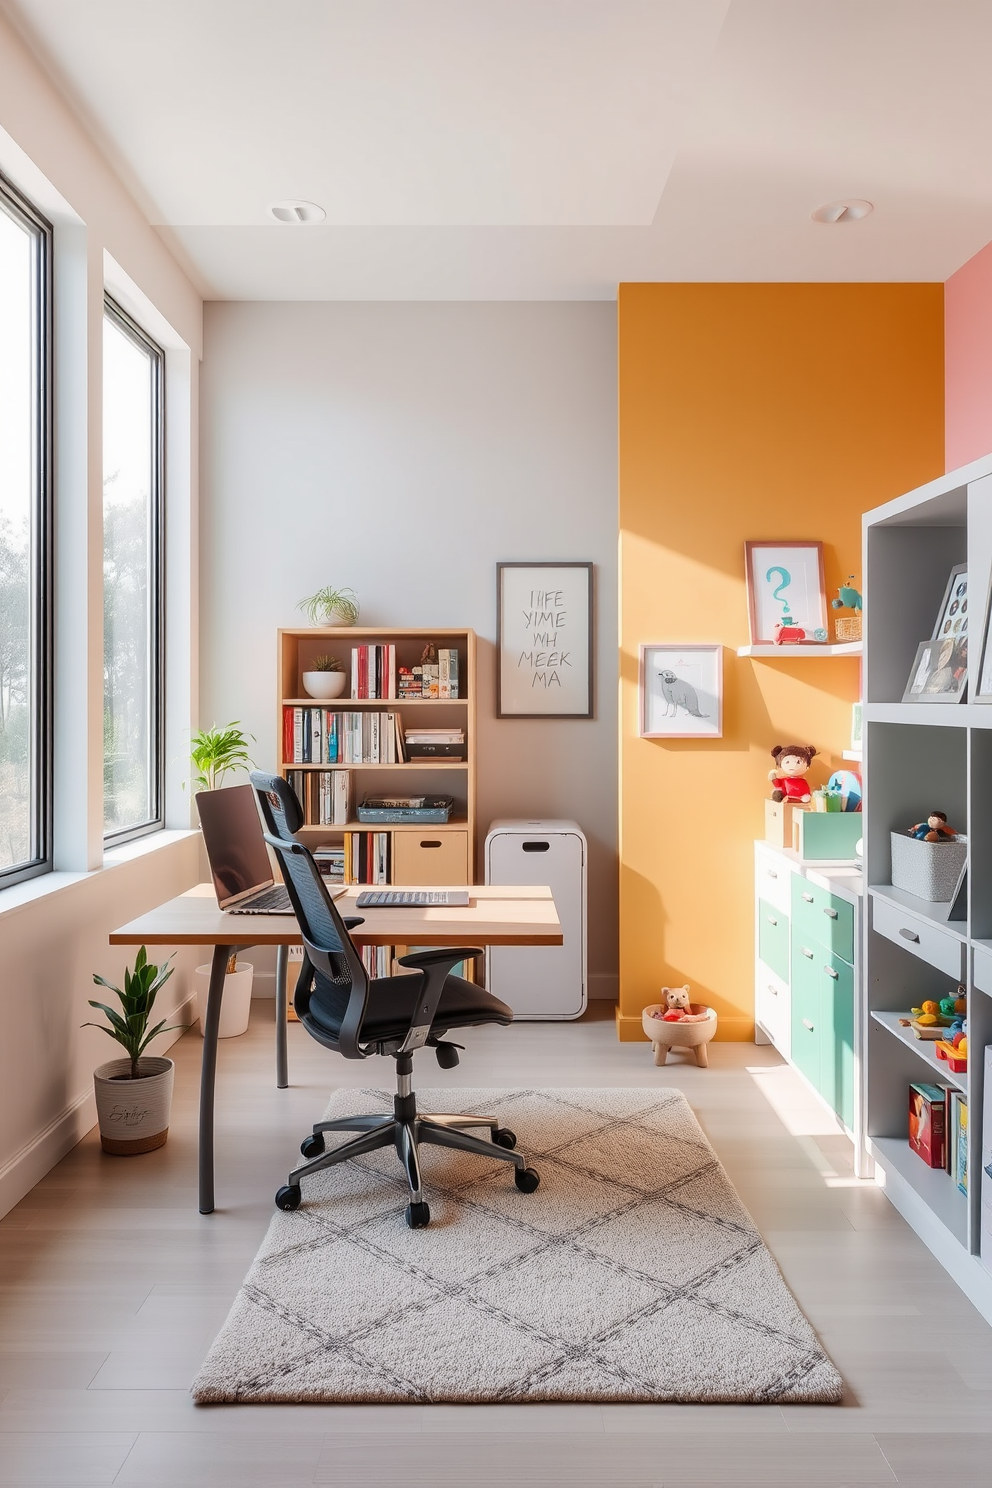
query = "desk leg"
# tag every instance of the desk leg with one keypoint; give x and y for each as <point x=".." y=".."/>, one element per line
<point x="208" y="1072"/>
<point x="282" y="1041"/>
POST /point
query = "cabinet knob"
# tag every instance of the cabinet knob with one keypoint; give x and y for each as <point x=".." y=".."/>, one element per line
<point x="807" y="1024"/>
<point x="807" y="953"/>
<point x="831" y="913"/>
<point x="773" y="990"/>
<point x="771" y="873"/>
<point x="808" y="898"/>
<point x="909" y="935"/>
<point x="771" y="919"/>
<point x="831" y="973"/>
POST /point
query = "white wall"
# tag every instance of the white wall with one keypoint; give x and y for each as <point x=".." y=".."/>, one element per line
<point x="53" y="930"/>
<point x="403" y="449"/>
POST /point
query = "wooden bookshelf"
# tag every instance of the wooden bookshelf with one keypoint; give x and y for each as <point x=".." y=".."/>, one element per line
<point x="454" y="860"/>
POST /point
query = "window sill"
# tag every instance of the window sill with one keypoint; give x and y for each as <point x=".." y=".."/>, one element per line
<point x="23" y="895"/>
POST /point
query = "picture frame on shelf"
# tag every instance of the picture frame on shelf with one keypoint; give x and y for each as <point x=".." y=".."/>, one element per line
<point x="940" y="671"/>
<point x="786" y="590"/>
<point x="953" y="617"/>
<point x="544" y="640"/>
<point x="680" y="691"/>
<point x="982" y="692"/>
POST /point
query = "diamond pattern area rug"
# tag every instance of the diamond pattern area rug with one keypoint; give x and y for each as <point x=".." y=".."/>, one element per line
<point x="633" y="1273"/>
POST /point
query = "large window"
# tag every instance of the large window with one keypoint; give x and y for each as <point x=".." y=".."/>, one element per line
<point x="132" y="578"/>
<point x="25" y="540"/>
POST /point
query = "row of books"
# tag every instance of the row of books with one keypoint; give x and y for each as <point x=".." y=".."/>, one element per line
<point x="330" y="860"/>
<point x="938" y="1129"/>
<point x="442" y="744"/>
<point x="325" y="795"/>
<point x="322" y="736"/>
<point x="373" y="671"/>
<point x="431" y="679"/>
<point x="367" y="857"/>
<point x="377" y="960"/>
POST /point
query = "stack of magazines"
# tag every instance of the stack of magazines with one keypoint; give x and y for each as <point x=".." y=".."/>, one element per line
<point x="435" y="744"/>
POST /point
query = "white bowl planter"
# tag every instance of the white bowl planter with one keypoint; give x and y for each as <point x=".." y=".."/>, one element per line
<point x="235" y="1005"/>
<point x="324" y="684"/>
<point x="133" y="1114"/>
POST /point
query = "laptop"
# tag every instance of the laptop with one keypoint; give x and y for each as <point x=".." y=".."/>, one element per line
<point x="236" y="851"/>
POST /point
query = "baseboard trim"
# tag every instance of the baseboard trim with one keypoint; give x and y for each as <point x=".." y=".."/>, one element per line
<point x="37" y="1157"/>
<point x="630" y="1030"/>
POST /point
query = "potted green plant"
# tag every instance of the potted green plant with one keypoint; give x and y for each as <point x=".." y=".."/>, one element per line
<point x="324" y="678"/>
<point x="216" y="752"/>
<point x="134" y="1093"/>
<point x="330" y="606"/>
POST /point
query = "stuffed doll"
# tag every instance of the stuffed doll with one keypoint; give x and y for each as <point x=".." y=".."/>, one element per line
<point x="789" y="776"/>
<point x="934" y="829"/>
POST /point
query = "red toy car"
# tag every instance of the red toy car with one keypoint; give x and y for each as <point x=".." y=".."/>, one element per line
<point x="788" y="635"/>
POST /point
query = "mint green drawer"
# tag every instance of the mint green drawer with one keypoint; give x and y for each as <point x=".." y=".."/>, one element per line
<point x="820" y="916"/>
<point x="807" y="1033"/>
<point x="837" y="1044"/>
<point x="773" y="938"/>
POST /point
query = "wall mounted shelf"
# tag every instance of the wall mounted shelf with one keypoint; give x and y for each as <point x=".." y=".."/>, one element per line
<point x="793" y="653"/>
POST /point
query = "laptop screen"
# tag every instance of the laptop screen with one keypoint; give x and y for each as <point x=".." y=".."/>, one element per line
<point x="232" y="835"/>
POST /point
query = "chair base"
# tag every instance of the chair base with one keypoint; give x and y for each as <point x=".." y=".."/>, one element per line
<point x="406" y="1130"/>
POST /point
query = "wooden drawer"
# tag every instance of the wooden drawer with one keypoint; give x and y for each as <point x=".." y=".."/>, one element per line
<point x="772" y="880"/>
<point x="818" y="915"/>
<point x="426" y="857"/>
<point x="983" y="980"/>
<point x="918" y="936"/>
<point x="771" y="1006"/>
<point x="773" y="938"/>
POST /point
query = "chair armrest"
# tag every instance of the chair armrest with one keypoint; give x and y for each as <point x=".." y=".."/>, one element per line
<point x="352" y="921"/>
<point x="437" y="955"/>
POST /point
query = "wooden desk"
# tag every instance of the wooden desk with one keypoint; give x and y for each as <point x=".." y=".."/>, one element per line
<point x="496" y="915"/>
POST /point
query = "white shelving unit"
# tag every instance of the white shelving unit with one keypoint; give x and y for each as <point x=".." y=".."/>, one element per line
<point x="920" y="757"/>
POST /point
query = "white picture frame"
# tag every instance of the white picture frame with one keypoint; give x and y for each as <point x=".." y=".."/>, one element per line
<point x="785" y="585"/>
<point x="544" y="640"/>
<point x="680" y="691"/>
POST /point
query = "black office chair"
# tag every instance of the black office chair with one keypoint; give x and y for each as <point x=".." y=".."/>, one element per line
<point x="344" y="1009"/>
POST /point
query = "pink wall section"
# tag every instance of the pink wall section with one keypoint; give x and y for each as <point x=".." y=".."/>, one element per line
<point x="968" y="361"/>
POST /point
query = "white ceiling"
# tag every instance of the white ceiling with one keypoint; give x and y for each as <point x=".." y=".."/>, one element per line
<point x="549" y="149"/>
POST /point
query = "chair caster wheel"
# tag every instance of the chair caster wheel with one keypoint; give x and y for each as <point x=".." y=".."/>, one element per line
<point x="418" y="1216"/>
<point x="289" y="1197"/>
<point x="312" y="1146"/>
<point x="503" y="1137"/>
<point x="526" y="1179"/>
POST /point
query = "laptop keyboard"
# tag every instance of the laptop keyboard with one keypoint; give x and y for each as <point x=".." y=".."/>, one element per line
<point x="269" y="901"/>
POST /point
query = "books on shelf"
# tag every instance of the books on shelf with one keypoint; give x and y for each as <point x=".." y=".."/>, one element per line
<point x="325" y="736"/>
<point x="329" y="858"/>
<point x="427" y="744"/>
<point x="325" y="795"/>
<point x="927" y="1123"/>
<point x="377" y="960"/>
<point x="367" y="857"/>
<point x="373" y="671"/>
<point x="431" y="679"/>
<point x="957" y="1138"/>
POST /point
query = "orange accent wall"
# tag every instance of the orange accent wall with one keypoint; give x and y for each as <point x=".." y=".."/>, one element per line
<point x="746" y="411"/>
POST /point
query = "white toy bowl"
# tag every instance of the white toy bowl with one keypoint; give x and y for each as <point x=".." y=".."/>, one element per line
<point x="665" y="1036"/>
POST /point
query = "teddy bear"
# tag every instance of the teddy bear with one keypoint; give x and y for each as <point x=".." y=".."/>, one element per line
<point x="678" y="1006"/>
<point x="791" y="763"/>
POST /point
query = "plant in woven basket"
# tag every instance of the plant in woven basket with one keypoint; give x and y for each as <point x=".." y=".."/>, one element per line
<point x="331" y="606"/>
<point x="325" y="664"/>
<point x="129" y="1027"/>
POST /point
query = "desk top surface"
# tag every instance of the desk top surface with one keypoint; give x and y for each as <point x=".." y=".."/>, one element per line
<point x="495" y="915"/>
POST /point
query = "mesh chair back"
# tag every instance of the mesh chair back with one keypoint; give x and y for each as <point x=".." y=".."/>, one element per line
<point x="341" y="978"/>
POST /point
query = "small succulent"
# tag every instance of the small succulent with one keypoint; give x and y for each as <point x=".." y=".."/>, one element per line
<point x="325" y="664"/>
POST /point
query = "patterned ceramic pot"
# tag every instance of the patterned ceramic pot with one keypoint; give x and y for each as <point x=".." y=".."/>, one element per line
<point x="133" y="1114"/>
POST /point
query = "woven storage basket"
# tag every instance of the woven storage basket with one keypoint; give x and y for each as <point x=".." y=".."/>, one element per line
<point x="930" y="870"/>
<point x="848" y="628"/>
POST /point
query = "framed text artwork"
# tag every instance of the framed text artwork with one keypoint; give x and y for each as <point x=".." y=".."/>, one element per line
<point x="681" y="692"/>
<point x="544" y="640"/>
<point x="785" y="592"/>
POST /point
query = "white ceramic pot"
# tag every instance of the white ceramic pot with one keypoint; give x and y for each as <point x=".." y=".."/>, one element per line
<point x="133" y="1114"/>
<point x="235" y="1005"/>
<point x="324" y="684"/>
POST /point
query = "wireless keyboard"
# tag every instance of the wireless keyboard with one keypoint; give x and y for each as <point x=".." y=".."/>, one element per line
<point x="412" y="898"/>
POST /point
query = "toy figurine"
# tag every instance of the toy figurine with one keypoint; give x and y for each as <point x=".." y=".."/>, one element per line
<point x="791" y="763"/>
<point x="847" y="597"/>
<point x="934" y="829"/>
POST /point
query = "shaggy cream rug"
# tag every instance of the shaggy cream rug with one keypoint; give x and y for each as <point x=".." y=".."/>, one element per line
<point x="634" y="1273"/>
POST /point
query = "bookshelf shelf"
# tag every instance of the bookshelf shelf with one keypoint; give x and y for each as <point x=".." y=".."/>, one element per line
<point x="922" y="1047"/>
<point x="937" y="1190"/>
<point x="799" y="652"/>
<point x="422" y="852"/>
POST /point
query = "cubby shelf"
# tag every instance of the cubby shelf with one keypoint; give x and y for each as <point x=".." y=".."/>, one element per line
<point x="936" y="914"/>
<point x="404" y="765"/>
<point x="793" y="653"/>
<point x="923" y="1047"/>
<point x="937" y="1190"/>
<point x="424" y="828"/>
<point x="385" y="705"/>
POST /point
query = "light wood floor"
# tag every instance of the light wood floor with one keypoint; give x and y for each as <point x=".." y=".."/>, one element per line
<point x="112" y="1287"/>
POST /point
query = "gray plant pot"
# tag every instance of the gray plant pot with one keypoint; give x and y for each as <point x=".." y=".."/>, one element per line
<point x="133" y="1114"/>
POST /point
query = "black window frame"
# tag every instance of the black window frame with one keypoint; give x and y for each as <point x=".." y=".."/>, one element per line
<point x="22" y="210"/>
<point x="156" y="551"/>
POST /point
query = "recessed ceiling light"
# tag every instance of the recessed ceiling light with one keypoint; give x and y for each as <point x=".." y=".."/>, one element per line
<point x="297" y="213"/>
<point x="842" y="211"/>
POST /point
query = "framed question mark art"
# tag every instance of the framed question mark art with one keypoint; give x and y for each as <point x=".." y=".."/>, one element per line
<point x="786" y="596"/>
